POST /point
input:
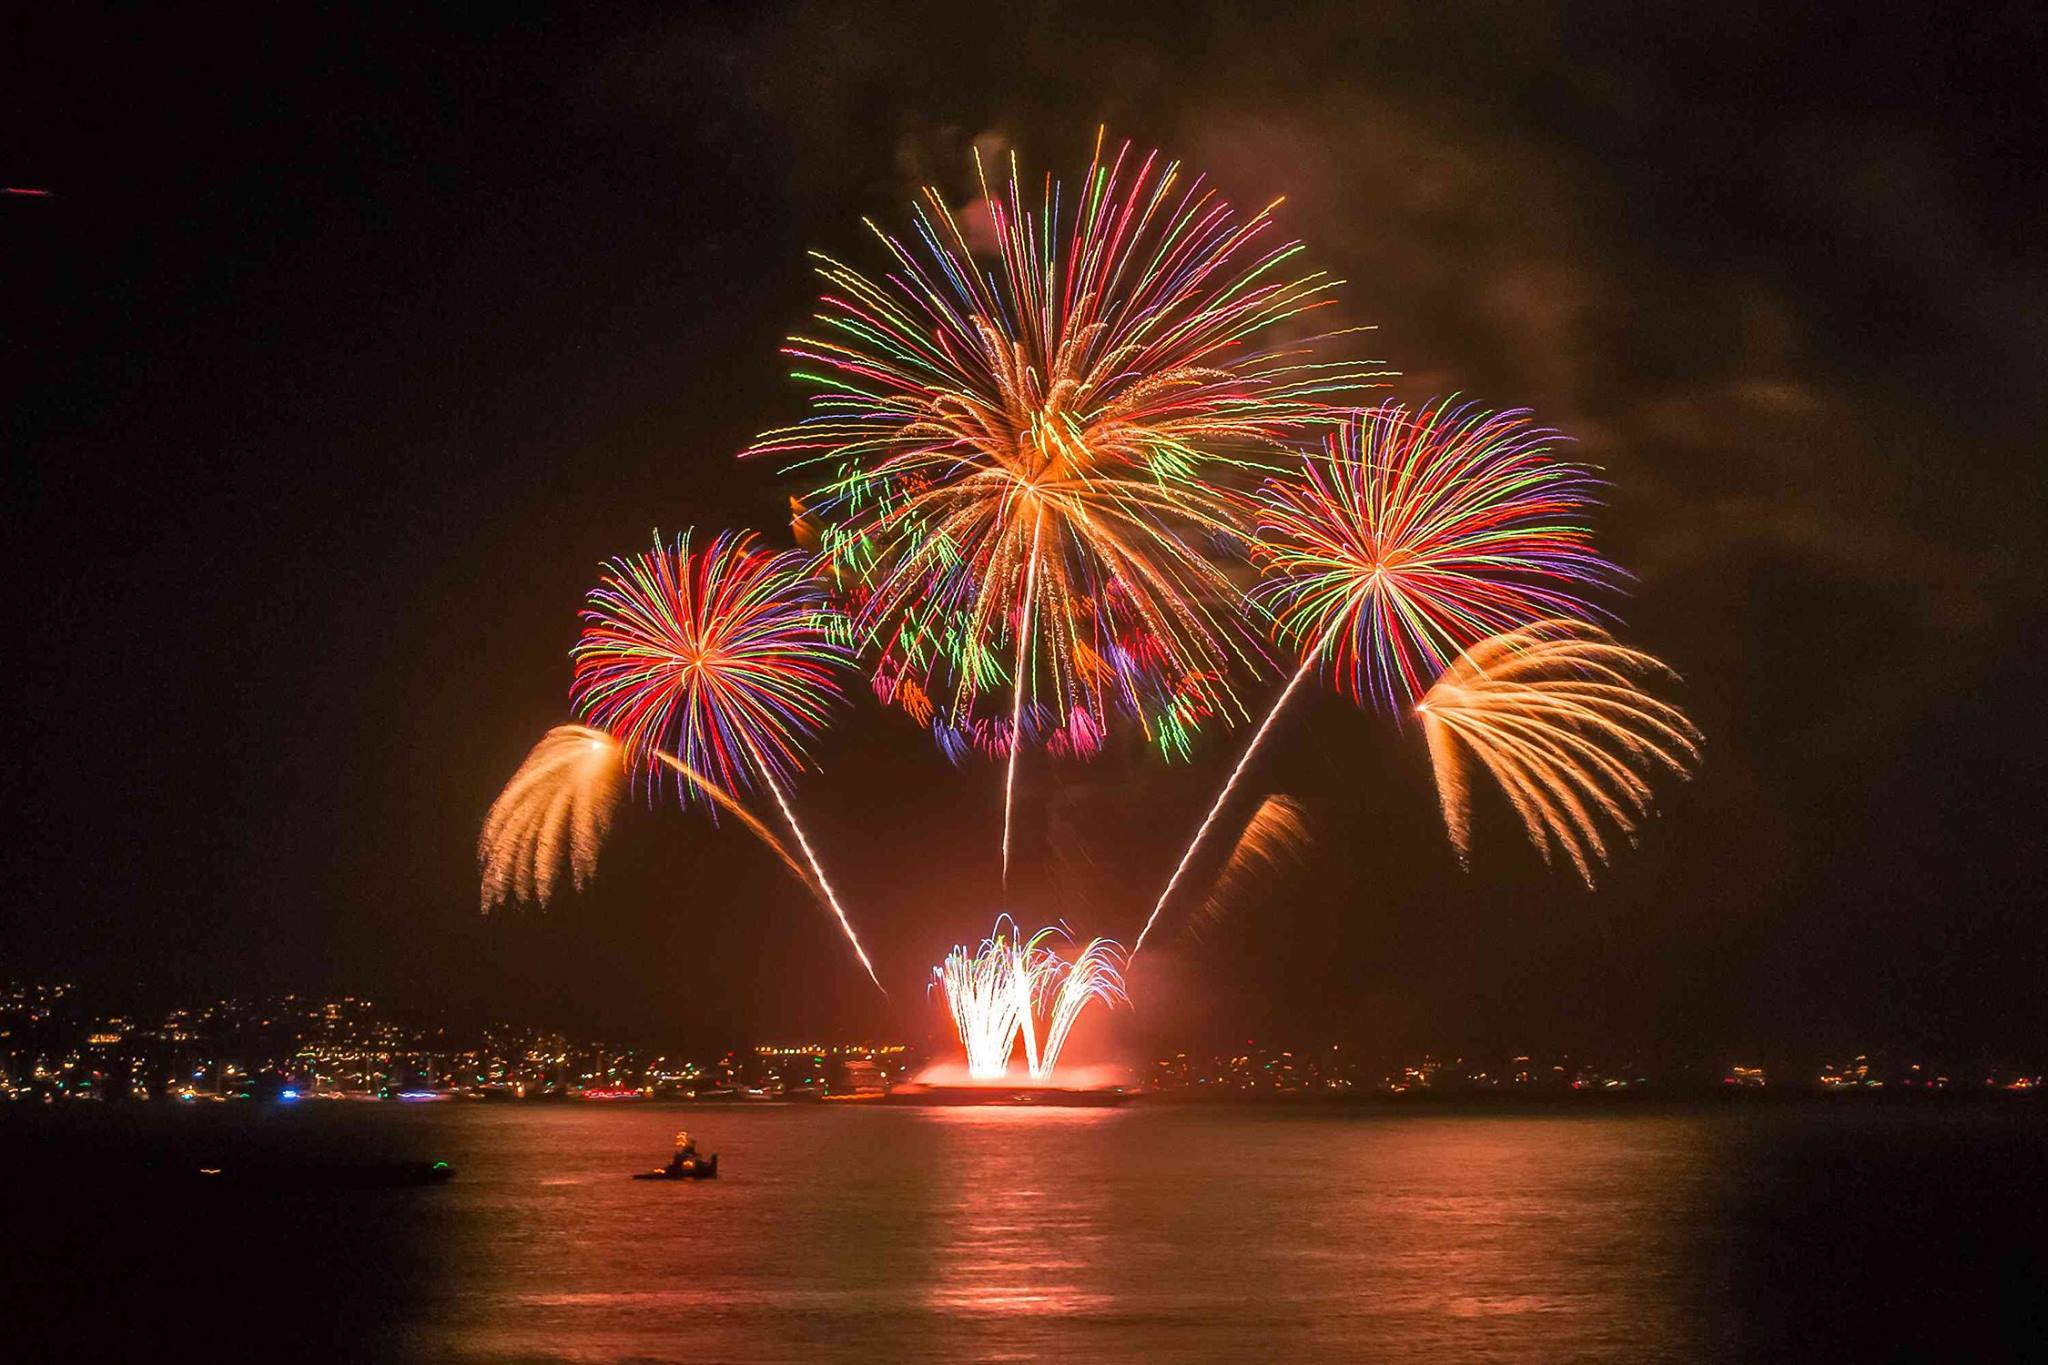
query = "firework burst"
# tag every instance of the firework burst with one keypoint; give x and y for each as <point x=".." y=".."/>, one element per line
<point x="1556" y="713"/>
<point x="1026" y="461"/>
<point x="556" y="809"/>
<point x="1410" y="535"/>
<point x="725" y="656"/>
<point x="1076" y="460"/>
<point x="1413" y="534"/>
<point x="721" y="656"/>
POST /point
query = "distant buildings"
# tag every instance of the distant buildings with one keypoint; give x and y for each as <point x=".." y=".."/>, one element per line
<point x="1264" y="1071"/>
<point x="55" y="1047"/>
<point x="297" y="1048"/>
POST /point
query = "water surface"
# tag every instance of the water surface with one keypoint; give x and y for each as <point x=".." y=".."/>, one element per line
<point x="1149" y="1233"/>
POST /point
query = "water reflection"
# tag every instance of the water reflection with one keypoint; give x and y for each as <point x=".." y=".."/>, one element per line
<point x="1018" y="1232"/>
<point x="1147" y="1233"/>
<point x="1539" y="1238"/>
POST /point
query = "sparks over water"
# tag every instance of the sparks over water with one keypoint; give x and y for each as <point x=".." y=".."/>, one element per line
<point x="1002" y="993"/>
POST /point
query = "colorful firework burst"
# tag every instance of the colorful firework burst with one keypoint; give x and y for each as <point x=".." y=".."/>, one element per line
<point x="1026" y="453"/>
<point x="728" y="656"/>
<point x="1409" y="536"/>
<point x="723" y="656"/>
<point x="1413" y="534"/>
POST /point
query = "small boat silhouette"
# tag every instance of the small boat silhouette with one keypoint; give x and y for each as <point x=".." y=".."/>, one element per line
<point x="688" y="1168"/>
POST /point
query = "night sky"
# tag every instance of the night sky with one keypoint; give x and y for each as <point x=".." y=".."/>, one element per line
<point x="342" y="357"/>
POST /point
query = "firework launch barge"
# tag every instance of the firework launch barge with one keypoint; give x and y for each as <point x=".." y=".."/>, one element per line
<point x="1039" y="1096"/>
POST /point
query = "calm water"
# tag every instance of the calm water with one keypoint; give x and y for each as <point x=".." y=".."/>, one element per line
<point x="1153" y="1234"/>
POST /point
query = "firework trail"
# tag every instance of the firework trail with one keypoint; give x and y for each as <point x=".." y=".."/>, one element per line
<point x="717" y="665"/>
<point x="560" y="802"/>
<point x="1410" y="535"/>
<point x="1017" y="696"/>
<point x="728" y="803"/>
<point x="1027" y="460"/>
<point x="997" y="992"/>
<point x="1273" y="838"/>
<point x="1223" y="797"/>
<point x="1555" y="713"/>
<point x="831" y="897"/>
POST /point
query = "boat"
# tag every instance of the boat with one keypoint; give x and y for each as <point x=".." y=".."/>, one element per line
<point x="689" y="1168"/>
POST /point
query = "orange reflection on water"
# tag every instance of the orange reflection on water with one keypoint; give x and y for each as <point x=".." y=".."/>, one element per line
<point x="1018" y="1234"/>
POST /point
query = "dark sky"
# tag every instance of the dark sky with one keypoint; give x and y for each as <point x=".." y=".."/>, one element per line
<point x="343" y="356"/>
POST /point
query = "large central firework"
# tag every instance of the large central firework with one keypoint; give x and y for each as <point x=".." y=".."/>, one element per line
<point x="1028" y="434"/>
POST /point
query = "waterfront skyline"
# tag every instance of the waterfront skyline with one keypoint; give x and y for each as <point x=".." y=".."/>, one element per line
<point x="61" y="1043"/>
